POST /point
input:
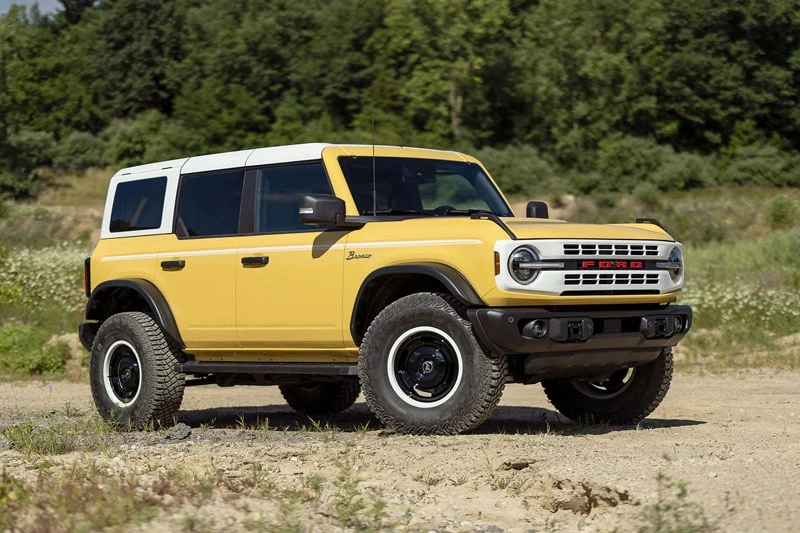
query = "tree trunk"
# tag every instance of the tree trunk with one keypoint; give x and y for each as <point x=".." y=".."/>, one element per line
<point x="456" y="101"/>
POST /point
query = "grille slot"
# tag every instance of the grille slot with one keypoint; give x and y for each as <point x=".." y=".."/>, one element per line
<point x="612" y="278"/>
<point x="611" y="250"/>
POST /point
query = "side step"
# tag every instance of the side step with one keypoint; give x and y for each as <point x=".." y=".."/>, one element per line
<point x="237" y="367"/>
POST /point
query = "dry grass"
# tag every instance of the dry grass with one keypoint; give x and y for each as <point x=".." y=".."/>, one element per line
<point x="84" y="190"/>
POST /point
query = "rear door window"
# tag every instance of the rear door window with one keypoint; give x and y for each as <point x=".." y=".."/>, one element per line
<point x="209" y="204"/>
<point x="138" y="205"/>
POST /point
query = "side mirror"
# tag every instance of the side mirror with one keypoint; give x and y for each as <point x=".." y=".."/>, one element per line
<point x="536" y="209"/>
<point x="321" y="210"/>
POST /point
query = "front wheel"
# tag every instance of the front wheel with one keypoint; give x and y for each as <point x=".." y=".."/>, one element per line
<point x="132" y="372"/>
<point x="423" y="371"/>
<point x="624" y="397"/>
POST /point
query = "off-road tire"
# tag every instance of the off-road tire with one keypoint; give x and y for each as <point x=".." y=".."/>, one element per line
<point x="470" y="401"/>
<point x="161" y="387"/>
<point x="649" y="385"/>
<point x="321" y="398"/>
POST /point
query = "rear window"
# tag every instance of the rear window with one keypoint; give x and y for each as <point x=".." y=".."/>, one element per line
<point x="138" y="205"/>
<point x="209" y="204"/>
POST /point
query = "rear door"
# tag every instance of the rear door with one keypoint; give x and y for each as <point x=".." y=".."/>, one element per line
<point x="196" y="266"/>
<point x="288" y="275"/>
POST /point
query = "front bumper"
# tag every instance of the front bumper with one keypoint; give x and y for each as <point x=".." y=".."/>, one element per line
<point x="581" y="340"/>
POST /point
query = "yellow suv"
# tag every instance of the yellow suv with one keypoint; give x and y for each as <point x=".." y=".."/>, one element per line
<point x="400" y="272"/>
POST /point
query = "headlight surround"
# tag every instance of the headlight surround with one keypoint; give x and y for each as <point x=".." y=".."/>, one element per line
<point x="522" y="255"/>
<point x="676" y="262"/>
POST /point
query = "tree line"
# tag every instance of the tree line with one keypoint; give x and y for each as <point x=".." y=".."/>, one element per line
<point x="554" y="95"/>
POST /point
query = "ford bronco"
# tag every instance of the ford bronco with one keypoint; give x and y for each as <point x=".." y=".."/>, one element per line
<point x="402" y="273"/>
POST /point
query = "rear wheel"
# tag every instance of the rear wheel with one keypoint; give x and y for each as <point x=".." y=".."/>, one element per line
<point x="423" y="371"/>
<point x="132" y="372"/>
<point x="321" y="397"/>
<point x="624" y="397"/>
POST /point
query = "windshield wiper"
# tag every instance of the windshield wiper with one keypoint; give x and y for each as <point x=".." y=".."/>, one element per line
<point x="370" y="212"/>
<point x="464" y="212"/>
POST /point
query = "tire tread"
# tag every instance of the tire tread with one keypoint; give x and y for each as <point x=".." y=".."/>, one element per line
<point x="489" y="384"/>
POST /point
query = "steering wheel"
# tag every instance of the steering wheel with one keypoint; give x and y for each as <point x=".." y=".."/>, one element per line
<point x="443" y="210"/>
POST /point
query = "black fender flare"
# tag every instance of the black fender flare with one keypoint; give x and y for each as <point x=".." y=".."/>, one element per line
<point x="158" y="305"/>
<point x="453" y="280"/>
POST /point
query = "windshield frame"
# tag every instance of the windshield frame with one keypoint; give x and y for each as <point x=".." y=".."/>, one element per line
<point x="405" y="178"/>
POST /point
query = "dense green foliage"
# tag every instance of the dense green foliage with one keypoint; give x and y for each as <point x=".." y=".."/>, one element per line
<point x="561" y="95"/>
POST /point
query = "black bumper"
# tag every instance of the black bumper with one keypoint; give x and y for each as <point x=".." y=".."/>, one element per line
<point x="580" y="341"/>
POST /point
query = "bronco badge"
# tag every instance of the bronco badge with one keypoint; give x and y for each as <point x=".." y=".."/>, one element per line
<point x="353" y="255"/>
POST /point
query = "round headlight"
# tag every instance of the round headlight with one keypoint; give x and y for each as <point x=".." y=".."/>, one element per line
<point x="676" y="258"/>
<point x="519" y="264"/>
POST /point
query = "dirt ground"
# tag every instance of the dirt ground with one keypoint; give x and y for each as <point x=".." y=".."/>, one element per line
<point x="734" y="438"/>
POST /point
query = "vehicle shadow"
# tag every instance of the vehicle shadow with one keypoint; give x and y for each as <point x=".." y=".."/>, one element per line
<point x="509" y="420"/>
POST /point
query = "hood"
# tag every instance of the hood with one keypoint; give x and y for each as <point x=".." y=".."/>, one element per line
<point x="537" y="228"/>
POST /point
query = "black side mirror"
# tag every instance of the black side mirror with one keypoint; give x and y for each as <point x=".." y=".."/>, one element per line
<point x="536" y="209"/>
<point x="321" y="210"/>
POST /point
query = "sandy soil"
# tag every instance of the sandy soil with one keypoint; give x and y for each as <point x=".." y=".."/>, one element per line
<point x="733" y="438"/>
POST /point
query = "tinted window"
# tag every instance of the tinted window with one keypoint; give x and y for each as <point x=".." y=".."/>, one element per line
<point x="138" y="205"/>
<point x="416" y="185"/>
<point x="278" y="190"/>
<point x="454" y="190"/>
<point x="209" y="204"/>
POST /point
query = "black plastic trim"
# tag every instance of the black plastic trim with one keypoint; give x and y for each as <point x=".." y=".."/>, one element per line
<point x="500" y="329"/>
<point x="158" y="305"/>
<point x="86" y="333"/>
<point x="237" y="367"/>
<point x="452" y="279"/>
<point x="497" y="220"/>
<point x="654" y="221"/>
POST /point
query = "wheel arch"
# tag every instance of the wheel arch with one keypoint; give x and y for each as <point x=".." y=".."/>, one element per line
<point x="387" y="284"/>
<point x="120" y="295"/>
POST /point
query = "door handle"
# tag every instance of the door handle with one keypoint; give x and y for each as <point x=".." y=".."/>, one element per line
<point x="173" y="265"/>
<point x="259" y="260"/>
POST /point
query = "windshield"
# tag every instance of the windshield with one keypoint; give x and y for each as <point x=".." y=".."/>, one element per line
<point x="425" y="186"/>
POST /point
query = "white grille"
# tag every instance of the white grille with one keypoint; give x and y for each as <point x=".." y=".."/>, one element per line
<point x="611" y="250"/>
<point x="612" y="278"/>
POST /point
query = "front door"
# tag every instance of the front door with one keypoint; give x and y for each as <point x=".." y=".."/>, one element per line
<point x="288" y="275"/>
<point x="196" y="266"/>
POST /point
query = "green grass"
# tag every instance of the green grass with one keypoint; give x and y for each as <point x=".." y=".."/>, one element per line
<point x="746" y="302"/>
<point x="80" y="433"/>
<point x="41" y="296"/>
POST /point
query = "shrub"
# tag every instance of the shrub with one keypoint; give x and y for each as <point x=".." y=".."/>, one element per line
<point x="682" y="171"/>
<point x="140" y="140"/>
<point x="782" y="212"/>
<point x="22" y="155"/>
<point x="759" y="164"/>
<point x="78" y="151"/>
<point x="24" y="351"/>
<point x="624" y="162"/>
<point x="521" y="170"/>
<point x="647" y="193"/>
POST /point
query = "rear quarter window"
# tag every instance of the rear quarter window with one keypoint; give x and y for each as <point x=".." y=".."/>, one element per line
<point x="138" y="205"/>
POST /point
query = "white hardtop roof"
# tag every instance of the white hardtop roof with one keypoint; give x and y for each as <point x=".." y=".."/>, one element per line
<point x="254" y="157"/>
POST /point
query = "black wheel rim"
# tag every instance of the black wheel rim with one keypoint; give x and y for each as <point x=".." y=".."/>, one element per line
<point x="124" y="373"/>
<point x="608" y="387"/>
<point x="426" y="367"/>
